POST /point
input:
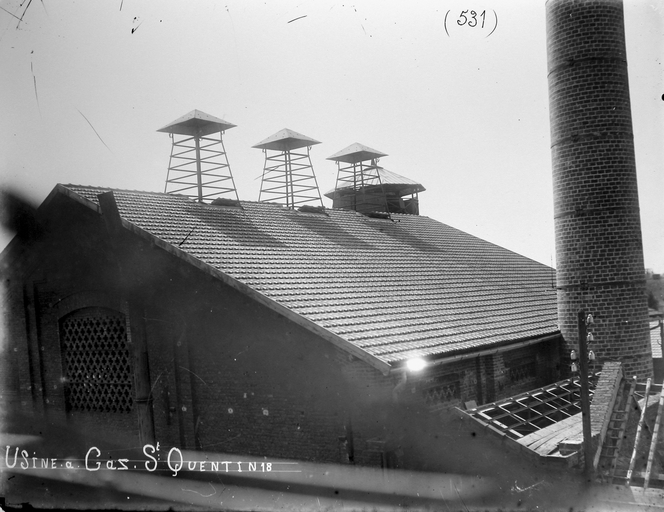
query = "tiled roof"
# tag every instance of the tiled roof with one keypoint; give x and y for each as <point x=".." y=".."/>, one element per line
<point x="395" y="289"/>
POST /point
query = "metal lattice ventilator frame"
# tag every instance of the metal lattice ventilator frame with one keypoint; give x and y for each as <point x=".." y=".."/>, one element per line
<point x="198" y="167"/>
<point x="360" y="175"/>
<point x="288" y="175"/>
<point x="96" y="361"/>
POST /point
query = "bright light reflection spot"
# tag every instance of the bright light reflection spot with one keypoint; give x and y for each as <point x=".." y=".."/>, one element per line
<point x="416" y="364"/>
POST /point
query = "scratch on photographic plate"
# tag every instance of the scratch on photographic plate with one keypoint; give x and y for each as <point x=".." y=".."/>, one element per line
<point x="134" y="29"/>
<point x="10" y="13"/>
<point x="187" y="369"/>
<point x="93" y="129"/>
<point x="298" y="18"/>
<point x="201" y="494"/>
<point x="34" y="81"/>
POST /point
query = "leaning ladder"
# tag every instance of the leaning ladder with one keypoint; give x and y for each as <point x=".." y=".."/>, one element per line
<point x="653" y="442"/>
<point x="637" y="439"/>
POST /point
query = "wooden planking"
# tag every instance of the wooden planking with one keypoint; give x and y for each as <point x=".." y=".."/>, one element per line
<point x="546" y="440"/>
<point x="552" y="444"/>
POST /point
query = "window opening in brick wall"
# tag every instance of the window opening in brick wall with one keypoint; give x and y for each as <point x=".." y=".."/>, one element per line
<point x="522" y="368"/>
<point x="96" y="361"/>
<point x="523" y="371"/>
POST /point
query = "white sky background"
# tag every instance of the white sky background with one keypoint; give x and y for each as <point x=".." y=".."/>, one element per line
<point x="466" y="115"/>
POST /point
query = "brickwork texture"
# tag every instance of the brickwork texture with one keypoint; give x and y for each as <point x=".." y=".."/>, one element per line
<point x="599" y="251"/>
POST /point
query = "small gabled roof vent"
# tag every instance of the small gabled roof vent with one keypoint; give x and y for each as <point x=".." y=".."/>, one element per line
<point x="379" y="215"/>
<point x="307" y="208"/>
<point x="224" y="201"/>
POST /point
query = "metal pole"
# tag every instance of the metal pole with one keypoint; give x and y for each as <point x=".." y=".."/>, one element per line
<point x="199" y="177"/>
<point x="355" y="184"/>
<point x="290" y="194"/>
<point x="585" y="395"/>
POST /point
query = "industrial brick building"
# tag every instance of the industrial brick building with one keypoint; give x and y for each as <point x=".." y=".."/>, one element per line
<point x="339" y="335"/>
<point x="253" y="328"/>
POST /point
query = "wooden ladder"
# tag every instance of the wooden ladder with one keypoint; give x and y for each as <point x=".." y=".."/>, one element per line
<point x="615" y="434"/>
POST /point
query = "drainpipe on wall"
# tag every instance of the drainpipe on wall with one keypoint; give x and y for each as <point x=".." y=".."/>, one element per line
<point x="400" y="386"/>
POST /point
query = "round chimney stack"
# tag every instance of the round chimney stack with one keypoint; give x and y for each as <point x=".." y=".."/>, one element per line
<point x="599" y="252"/>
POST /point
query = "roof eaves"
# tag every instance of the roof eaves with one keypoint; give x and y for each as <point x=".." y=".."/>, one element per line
<point x="495" y="349"/>
<point x="62" y="189"/>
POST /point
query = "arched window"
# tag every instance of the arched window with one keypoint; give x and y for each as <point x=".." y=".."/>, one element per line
<point x="96" y="361"/>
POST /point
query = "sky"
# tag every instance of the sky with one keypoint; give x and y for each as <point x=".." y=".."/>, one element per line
<point x="464" y="110"/>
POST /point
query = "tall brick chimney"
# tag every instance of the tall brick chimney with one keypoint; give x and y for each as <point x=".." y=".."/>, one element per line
<point x="599" y="252"/>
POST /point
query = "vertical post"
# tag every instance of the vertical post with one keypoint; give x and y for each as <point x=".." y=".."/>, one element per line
<point x="290" y="195"/>
<point x="170" y="162"/>
<point x="199" y="177"/>
<point x="355" y="184"/>
<point x="143" y="393"/>
<point x="478" y="374"/>
<point x="177" y="373"/>
<point x="585" y="395"/>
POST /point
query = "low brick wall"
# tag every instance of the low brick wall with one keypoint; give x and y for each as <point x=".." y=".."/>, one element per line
<point x="601" y="408"/>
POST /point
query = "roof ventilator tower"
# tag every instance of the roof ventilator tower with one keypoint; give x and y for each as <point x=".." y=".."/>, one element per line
<point x="198" y="167"/>
<point x="359" y="183"/>
<point x="288" y="176"/>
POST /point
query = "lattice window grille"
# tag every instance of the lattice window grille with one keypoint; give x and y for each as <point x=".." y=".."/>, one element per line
<point x="438" y="389"/>
<point x="96" y="360"/>
<point x="441" y="394"/>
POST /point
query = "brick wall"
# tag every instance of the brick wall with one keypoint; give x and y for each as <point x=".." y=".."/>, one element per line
<point x="15" y="383"/>
<point x="63" y="272"/>
<point x="604" y="397"/>
<point x="598" y="236"/>
<point x="258" y="383"/>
